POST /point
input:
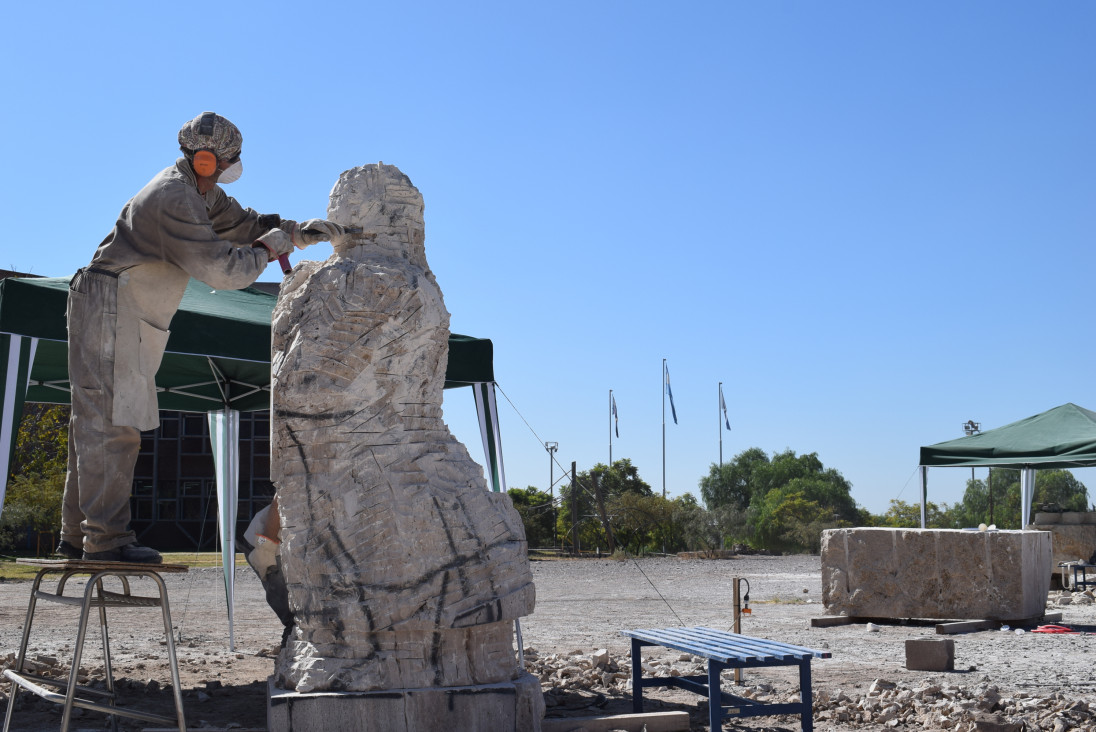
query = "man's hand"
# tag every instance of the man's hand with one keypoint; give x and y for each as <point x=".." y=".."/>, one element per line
<point x="277" y="243"/>
<point x="314" y="231"/>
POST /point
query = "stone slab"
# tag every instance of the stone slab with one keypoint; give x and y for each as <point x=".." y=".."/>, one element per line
<point x="935" y="573"/>
<point x="930" y="654"/>
<point x="516" y="706"/>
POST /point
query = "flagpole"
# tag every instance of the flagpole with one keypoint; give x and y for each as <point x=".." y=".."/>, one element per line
<point x="663" y="428"/>
<point x="610" y="428"/>
<point x="719" y="417"/>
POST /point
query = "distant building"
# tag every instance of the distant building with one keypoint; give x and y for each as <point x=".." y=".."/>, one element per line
<point x="174" y="489"/>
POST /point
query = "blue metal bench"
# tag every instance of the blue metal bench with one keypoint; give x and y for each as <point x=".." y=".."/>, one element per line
<point x="724" y="650"/>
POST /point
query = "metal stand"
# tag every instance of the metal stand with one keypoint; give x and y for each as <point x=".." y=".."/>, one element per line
<point x="739" y="611"/>
<point x="94" y="596"/>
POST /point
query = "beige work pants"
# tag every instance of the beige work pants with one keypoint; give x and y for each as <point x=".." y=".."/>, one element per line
<point x="95" y="510"/>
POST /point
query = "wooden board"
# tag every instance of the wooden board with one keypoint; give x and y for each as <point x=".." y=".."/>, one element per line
<point x="81" y="565"/>
<point x="828" y="621"/>
<point x="652" y="722"/>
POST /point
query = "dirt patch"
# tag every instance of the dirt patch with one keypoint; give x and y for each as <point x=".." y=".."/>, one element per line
<point x="581" y="607"/>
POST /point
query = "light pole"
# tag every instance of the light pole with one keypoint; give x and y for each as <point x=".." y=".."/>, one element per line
<point x="972" y="428"/>
<point x="551" y="447"/>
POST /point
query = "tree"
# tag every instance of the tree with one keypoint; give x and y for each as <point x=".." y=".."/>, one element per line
<point x="795" y="498"/>
<point x="904" y="515"/>
<point x="732" y="483"/>
<point x="41" y="446"/>
<point x="593" y="497"/>
<point x="784" y="501"/>
<point x="1060" y="488"/>
<point x="997" y="499"/>
<point x="643" y="523"/>
<point x="708" y="530"/>
<point x="535" y="508"/>
<point x="825" y="486"/>
<point x="34" y="494"/>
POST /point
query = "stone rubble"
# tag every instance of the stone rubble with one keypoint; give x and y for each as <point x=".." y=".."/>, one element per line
<point x="1059" y="598"/>
<point x="979" y="707"/>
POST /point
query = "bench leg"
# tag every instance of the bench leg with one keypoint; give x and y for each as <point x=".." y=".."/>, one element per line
<point x="715" y="698"/>
<point x="637" y="679"/>
<point x="805" y="695"/>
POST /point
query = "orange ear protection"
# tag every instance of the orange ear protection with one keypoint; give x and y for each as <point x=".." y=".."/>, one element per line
<point x="205" y="161"/>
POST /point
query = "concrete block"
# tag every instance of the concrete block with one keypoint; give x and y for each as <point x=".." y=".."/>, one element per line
<point x="930" y="654"/>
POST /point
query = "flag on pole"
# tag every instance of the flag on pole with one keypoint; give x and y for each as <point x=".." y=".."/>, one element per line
<point x="666" y="371"/>
<point x="723" y="406"/>
<point x="616" y="417"/>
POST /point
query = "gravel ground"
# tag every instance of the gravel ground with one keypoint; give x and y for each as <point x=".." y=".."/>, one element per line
<point x="581" y="607"/>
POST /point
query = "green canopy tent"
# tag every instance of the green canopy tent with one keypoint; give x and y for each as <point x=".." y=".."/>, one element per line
<point x="1060" y="438"/>
<point x="217" y="361"/>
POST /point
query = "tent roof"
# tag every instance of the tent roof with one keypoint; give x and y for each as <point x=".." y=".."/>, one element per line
<point x="1060" y="438"/>
<point x="218" y="351"/>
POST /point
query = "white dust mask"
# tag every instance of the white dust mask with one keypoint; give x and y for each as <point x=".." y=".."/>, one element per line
<point x="232" y="173"/>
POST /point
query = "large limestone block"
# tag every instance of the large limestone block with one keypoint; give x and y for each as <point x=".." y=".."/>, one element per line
<point x="403" y="569"/>
<point x="941" y="574"/>
<point x="1072" y="541"/>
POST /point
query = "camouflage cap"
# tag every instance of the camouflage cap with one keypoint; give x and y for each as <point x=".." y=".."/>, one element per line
<point x="225" y="140"/>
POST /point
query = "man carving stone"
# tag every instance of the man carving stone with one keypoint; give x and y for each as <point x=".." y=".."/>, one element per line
<point x="403" y="570"/>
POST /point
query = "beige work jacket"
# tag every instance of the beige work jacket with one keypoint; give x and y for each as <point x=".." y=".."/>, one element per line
<point x="165" y="235"/>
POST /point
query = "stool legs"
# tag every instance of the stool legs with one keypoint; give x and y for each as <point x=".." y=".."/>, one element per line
<point x="23" y="648"/>
<point x="176" y="685"/>
<point x="81" y="635"/>
<point x="94" y="594"/>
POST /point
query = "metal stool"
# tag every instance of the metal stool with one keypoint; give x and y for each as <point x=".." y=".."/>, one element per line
<point x="94" y="597"/>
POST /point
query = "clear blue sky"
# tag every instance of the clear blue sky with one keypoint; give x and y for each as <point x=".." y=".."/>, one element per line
<point x="870" y="221"/>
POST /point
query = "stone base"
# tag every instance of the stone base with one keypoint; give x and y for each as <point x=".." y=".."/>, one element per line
<point x="936" y="573"/>
<point x="517" y="706"/>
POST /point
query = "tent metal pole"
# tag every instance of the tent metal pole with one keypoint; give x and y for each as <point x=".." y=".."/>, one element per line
<point x="924" y="476"/>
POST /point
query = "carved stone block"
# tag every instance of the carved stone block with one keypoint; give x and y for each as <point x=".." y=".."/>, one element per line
<point x="404" y="571"/>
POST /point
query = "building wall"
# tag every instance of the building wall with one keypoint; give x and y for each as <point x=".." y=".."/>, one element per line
<point x="174" y="499"/>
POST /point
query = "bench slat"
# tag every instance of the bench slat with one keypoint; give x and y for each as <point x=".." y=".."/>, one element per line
<point x="721" y="645"/>
<point x="722" y="649"/>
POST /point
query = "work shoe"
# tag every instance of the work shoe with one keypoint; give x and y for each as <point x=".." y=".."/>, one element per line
<point x="68" y="551"/>
<point x="134" y="553"/>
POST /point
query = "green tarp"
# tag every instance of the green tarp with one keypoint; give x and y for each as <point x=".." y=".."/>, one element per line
<point x="218" y="353"/>
<point x="217" y="361"/>
<point x="1060" y="438"/>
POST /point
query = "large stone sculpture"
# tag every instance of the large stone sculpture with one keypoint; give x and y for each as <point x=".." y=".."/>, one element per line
<point x="404" y="572"/>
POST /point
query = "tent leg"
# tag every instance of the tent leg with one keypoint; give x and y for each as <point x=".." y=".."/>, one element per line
<point x="224" y="434"/>
<point x="923" y="476"/>
<point x="16" y="361"/>
<point x="487" y="411"/>
<point x="1027" y="494"/>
